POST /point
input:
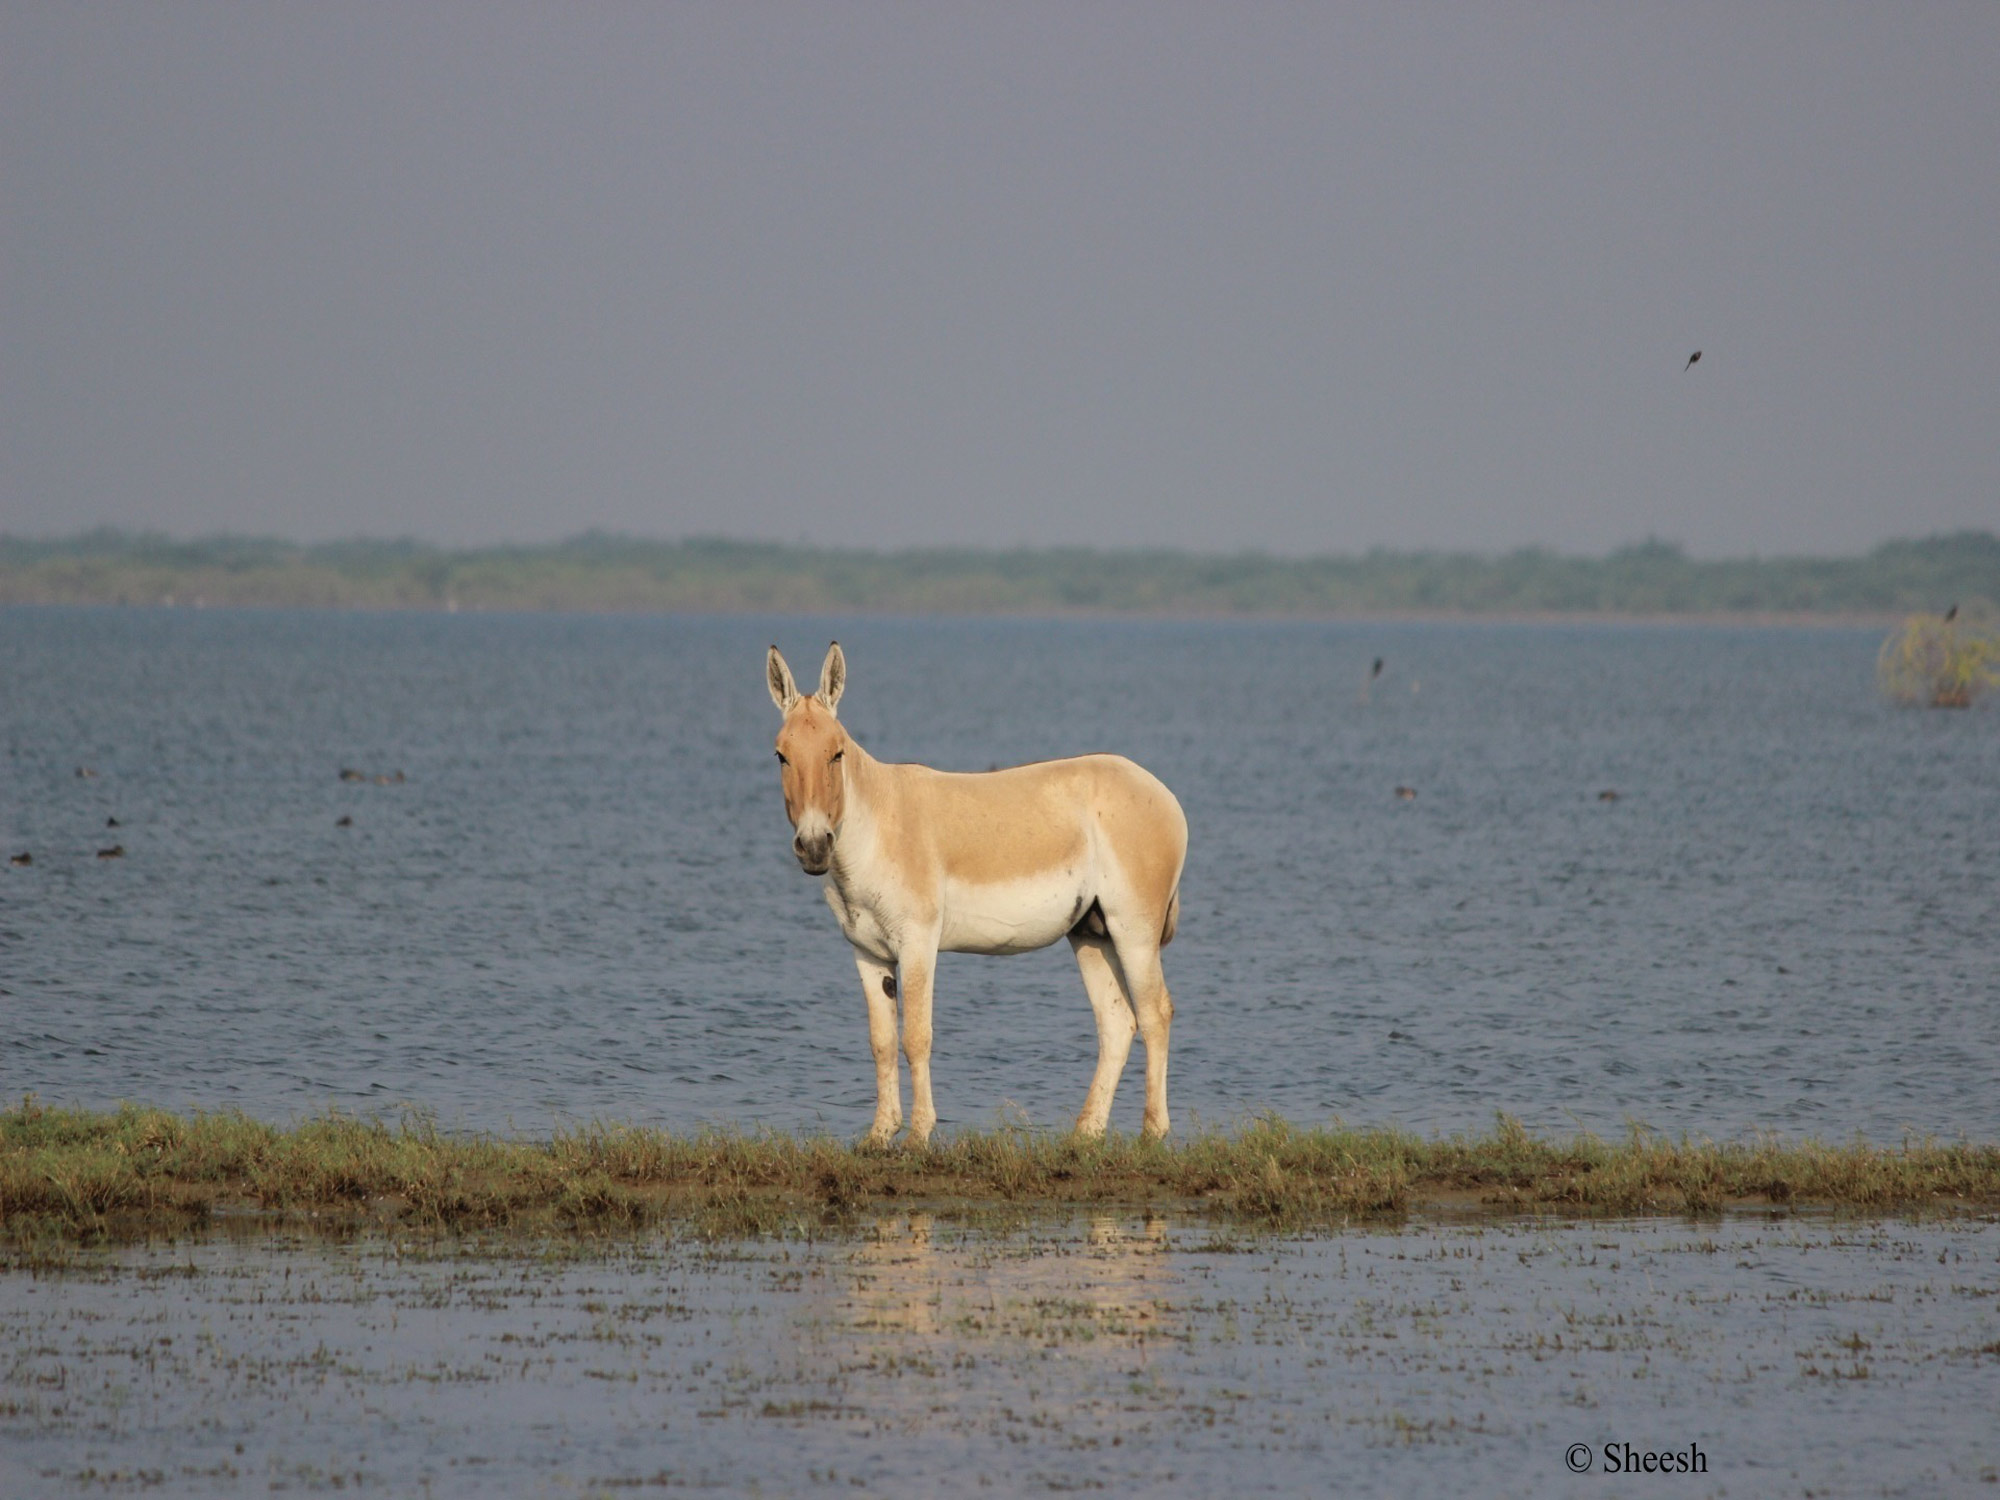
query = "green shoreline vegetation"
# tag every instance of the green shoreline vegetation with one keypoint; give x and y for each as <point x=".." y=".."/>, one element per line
<point x="71" y="1176"/>
<point x="599" y="572"/>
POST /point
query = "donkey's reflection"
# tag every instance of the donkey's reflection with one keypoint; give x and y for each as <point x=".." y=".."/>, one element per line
<point x="1107" y="1285"/>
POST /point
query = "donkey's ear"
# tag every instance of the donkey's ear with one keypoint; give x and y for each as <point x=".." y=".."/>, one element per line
<point x="784" y="692"/>
<point x="832" y="678"/>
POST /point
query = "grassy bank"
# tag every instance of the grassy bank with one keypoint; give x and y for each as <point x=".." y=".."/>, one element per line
<point x="76" y="1175"/>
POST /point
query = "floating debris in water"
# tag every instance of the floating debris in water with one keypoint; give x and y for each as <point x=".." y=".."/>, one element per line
<point x="1607" y="795"/>
<point x="343" y="821"/>
<point x="116" y="851"/>
<point x="1407" y="793"/>
<point x="84" y="773"/>
<point x="348" y="773"/>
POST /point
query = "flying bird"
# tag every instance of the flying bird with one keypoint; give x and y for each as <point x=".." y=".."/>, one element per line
<point x="1693" y="359"/>
<point x="1378" y="665"/>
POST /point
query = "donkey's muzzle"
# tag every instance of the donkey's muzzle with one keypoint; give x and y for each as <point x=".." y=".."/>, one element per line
<point x="814" y="851"/>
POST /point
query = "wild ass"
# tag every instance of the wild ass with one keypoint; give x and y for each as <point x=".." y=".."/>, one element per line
<point x="916" y="861"/>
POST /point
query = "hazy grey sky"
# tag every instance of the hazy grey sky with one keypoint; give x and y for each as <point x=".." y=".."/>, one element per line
<point x="1301" y="278"/>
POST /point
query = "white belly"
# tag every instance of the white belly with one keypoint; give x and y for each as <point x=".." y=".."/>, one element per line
<point x="1014" y="916"/>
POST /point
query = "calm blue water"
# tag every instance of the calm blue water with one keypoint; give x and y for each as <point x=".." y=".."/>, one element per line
<point x="580" y="902"/>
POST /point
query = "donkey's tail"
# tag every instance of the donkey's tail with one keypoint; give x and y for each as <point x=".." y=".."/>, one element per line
<point x="1173" y="923"/>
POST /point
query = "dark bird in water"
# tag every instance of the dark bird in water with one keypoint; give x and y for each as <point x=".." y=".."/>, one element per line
<point x="348" y="773"/>
<point x="116" y="851"/>
<point x="1607" y="795"/>
<point x="1378" y="670"/>
<point x="1951" y="614"/>
<point x="111" y="823"/>
<point x="343" y="821"/>
<point x="84" y="773"/>
<point x="1693" y="360"/>
<point x="23" y="858"/>
<point x="1407" y="793"/>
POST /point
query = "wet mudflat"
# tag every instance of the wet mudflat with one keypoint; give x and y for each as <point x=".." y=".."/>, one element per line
<point x="1138" y="1355"/>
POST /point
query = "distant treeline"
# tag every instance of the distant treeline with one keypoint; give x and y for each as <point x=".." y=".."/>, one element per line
<point x="601" y="572"/>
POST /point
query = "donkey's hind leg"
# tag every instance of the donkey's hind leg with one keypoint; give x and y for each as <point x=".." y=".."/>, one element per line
<point x="1105" y="985"/>
<point x="1138" y="956"/>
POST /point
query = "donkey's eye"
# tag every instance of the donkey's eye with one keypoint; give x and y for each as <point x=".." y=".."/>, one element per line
<point x="838" y="754"/>
<point x="781" y="758"/>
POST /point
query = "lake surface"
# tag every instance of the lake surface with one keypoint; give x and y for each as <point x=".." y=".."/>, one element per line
<point x="580" y="903"/>
<point x="1107" y="1353"/>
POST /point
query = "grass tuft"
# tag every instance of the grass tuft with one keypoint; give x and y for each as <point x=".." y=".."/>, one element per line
<point x="73" y="1176"/>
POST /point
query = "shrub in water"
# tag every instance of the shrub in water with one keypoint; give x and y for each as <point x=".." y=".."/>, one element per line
<point x="1939" y="660"/>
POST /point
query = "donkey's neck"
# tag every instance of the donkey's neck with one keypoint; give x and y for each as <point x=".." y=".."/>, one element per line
<point x="864" y="789"/>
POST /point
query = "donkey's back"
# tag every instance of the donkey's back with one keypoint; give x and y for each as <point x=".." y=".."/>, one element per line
<point x="1021" y="857"/>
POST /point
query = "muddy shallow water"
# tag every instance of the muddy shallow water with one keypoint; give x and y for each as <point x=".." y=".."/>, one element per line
<point x="1136" y="1355"/>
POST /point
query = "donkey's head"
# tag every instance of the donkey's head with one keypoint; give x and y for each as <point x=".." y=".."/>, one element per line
<point x="811" y="745"/>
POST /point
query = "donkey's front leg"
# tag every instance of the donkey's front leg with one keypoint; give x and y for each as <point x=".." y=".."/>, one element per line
<point x="878" y="982"/>
<point x="918" y="965"/>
